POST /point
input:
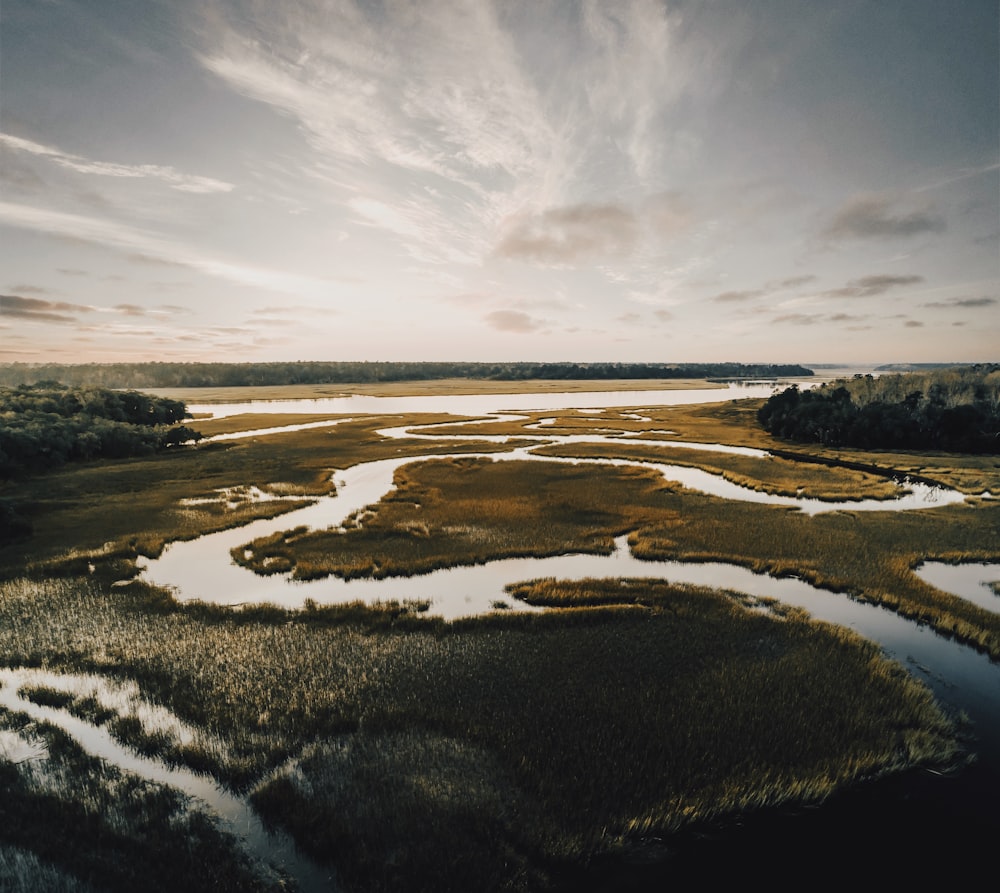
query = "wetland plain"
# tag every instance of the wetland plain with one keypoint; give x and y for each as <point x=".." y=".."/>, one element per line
<point x="580" y="725"/>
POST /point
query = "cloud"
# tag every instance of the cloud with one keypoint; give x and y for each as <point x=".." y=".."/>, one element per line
<point x="37" y="310"/>
<point x="796" y="281"/>
<point x="286" y="310"/>
<point x="667" y="214"/>
<point x="730" y="297"/>
<point x="513" y="321"/>
<point x="798" y="319"/>
<point x="130" y="240"/>
<point x="965" y="302"/>
<point x="570" y="235"/>
<point x="962" y="173"/>
<point x="130" y="309"/>
<point x="873" y="217"/>
<point x="869" y="286"/>
<point x="173" y="178"/>
<point x="119" y="330"/>
<point x="441" y="120"/>
<point x="137" y="257"/>
<point x="913" y="324"/>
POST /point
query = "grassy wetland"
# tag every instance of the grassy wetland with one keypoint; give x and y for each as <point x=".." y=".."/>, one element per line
<point x="508" y="751"/>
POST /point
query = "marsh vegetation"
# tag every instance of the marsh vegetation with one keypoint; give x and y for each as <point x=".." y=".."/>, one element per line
<point x="507" y="751"/>
<point x="526" y="740"/>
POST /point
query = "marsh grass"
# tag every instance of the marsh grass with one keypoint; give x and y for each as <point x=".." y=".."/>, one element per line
<point x="418" y="754"/>
<point x="779" y="477"/>
<point x="870" y="556"/>
<point x="466" y="511"/>
<point x="121" y="509"/>
<point x="21" y="871"/>
<point x="75" y="822"/>
<point x="495" y="749"/>
<point x="735" y="423"/>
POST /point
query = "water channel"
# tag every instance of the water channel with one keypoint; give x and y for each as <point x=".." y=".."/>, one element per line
<point x="964" y="681"/>
<point x="272" y="847"/>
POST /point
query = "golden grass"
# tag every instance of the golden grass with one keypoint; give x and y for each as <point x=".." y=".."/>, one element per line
<point x="779" y="477"/>
<point x="422" y="755"/>
<point x="430" y="755"/>
<point x="467" y="511"/>
<point x="134" y="506"/>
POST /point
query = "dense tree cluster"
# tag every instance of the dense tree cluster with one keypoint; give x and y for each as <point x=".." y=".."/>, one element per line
<point x="196" y="375"/>
<point x="47" y="424"/>
<point x="955" y="409"/>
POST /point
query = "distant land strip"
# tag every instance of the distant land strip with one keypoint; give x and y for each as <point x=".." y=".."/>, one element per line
<point x="201" y="375"/>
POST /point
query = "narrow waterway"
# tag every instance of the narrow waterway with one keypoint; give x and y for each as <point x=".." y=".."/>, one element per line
<point x="275" y="848"/>
<point x="952" y="810"/>
<point x="966" y="683"/>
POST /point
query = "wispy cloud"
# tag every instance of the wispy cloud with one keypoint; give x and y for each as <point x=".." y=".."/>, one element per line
<point x="440" y="91"/>
<point x="495" y="132"/>
<point x="130" y="309"/>
<point x="732" y="297"/>
<point x="569" y="235"/>
<point x="38" y="310"/>
<point x="878" y="217"/>
<point x="132" y="240"/>
<point x="869" y="286"/>
<point x="799" y="319"/>
<point x="173" y="178"/>
<point x="962" y="173"/>
<point x="795" y="281"/>
<point x="513" y="321"/>
<point x="966" y="302"/>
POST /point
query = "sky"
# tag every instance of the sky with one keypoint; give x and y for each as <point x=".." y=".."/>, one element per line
<point x="519" y="180"/>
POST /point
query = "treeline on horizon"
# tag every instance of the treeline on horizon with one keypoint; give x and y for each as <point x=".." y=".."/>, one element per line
<point x="200" y="375"/>
<point x="45" y="425"/>
<point x="956" y="409"/>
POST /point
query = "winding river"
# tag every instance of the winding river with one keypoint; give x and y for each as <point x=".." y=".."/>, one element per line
<point x="964" y="681"/>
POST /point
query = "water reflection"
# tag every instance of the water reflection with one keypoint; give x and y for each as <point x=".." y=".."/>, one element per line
<point x="971" y="581"/>
<point x="481" y="404"/>
<point x="202" y="569"/>
<point x="275" y="847"/>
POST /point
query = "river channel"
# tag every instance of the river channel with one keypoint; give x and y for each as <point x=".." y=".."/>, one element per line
<point x="965" y="682"/>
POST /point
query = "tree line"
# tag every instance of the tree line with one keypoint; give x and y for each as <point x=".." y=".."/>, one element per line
<point x="956" y="409"/>
<point x="196" y="375"/>
<point x="47" y="424"/>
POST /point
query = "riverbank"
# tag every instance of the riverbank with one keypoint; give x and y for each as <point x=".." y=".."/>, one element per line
<point x="436" y="387"/>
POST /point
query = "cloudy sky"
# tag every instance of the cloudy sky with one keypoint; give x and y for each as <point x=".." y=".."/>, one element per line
<point x="615" y="180"/>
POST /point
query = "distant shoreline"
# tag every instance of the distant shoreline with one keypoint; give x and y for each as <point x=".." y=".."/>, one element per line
<point x="436" y="387"/>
